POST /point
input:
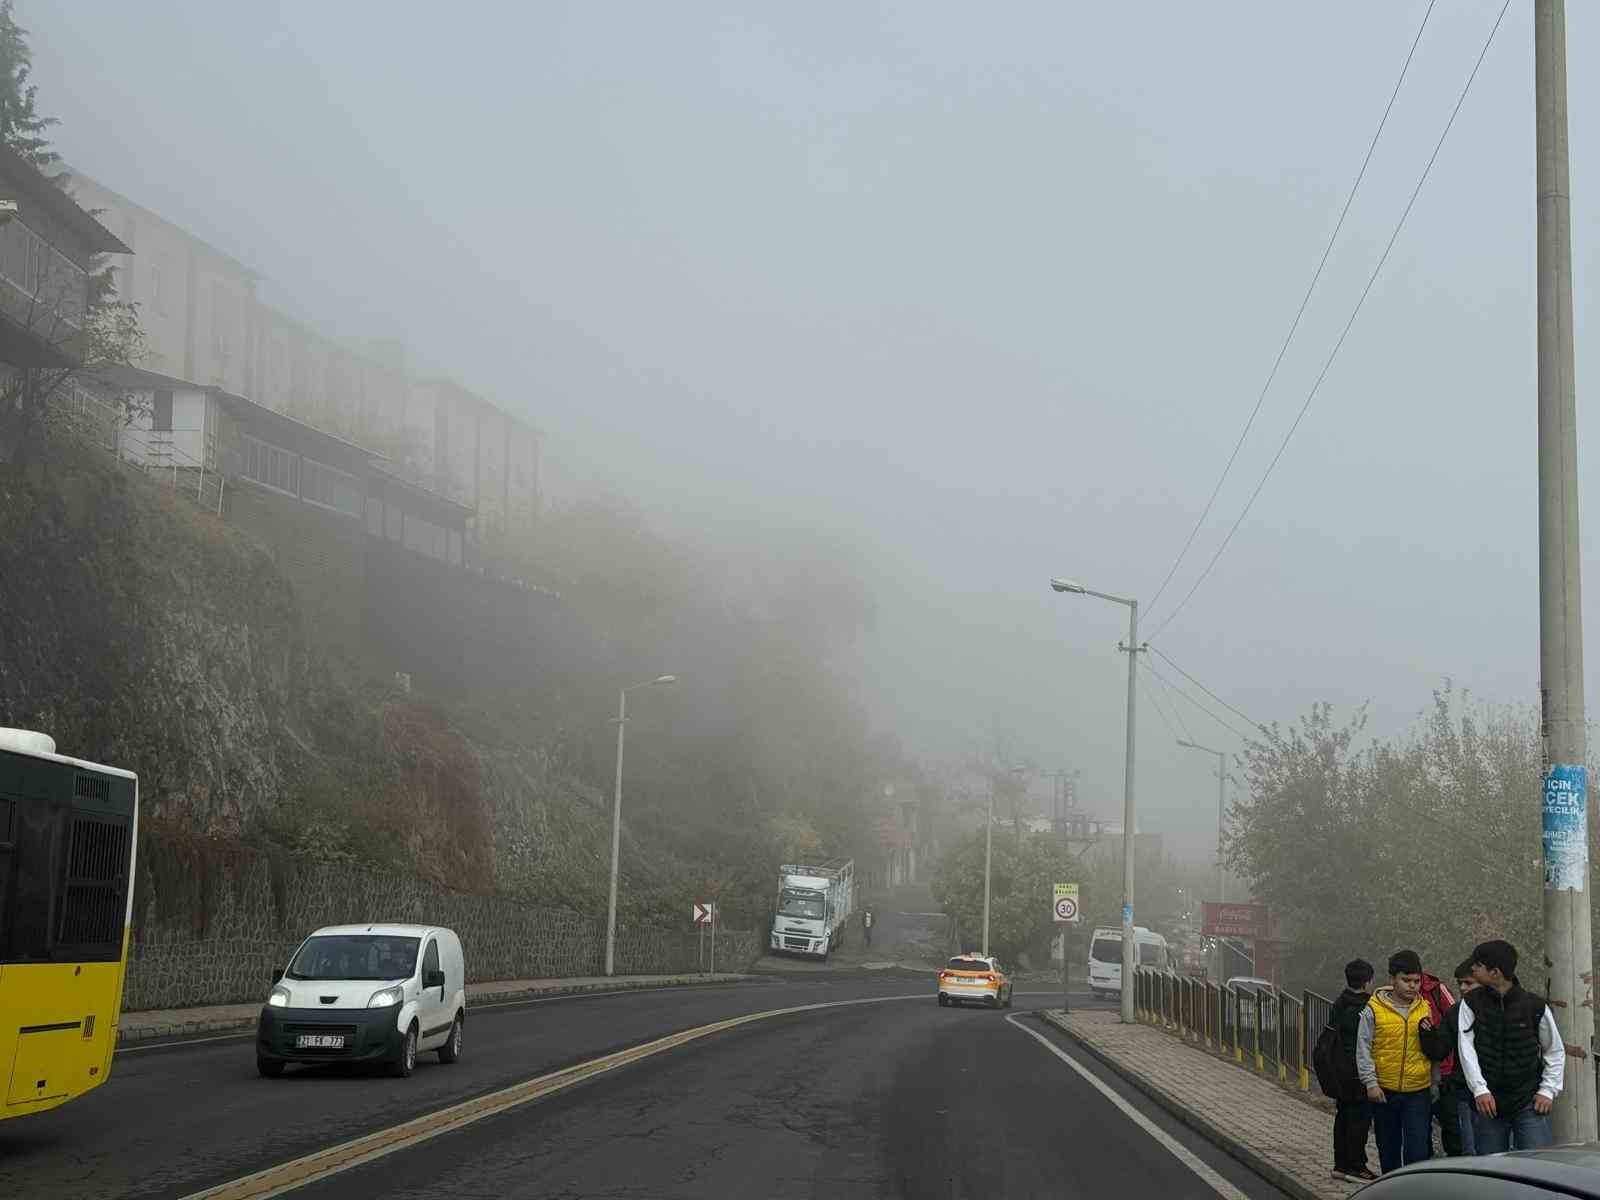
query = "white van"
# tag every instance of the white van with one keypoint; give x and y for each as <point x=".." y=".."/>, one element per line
<point x="366" y="993"/>
<point x="1105" y="957"/>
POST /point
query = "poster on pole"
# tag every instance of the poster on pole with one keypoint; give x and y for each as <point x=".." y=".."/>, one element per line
<point x="1565" y="828"/>
<point x="1065" y="904"/>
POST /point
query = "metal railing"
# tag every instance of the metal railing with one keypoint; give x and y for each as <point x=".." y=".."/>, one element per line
<point x="1265" y="1030"/>
<point x="154" y="452"/>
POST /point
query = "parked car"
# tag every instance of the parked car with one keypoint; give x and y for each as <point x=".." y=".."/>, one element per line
<point x="974" y="979"/>
<point x="1561" y="1171"/>
<point x="366" y="993"/>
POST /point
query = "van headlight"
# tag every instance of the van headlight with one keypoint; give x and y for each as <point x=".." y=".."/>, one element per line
<point x="387" y="997"/>
<point x="278" y="997"/>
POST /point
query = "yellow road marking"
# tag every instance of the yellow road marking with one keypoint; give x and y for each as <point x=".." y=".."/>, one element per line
<point x="297" y="1173"/>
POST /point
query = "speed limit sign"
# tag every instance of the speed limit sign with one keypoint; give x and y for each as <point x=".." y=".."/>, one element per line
<point x="1066" y="903"/>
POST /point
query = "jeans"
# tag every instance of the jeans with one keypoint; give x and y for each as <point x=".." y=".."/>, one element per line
<point x="1352" y="1122"/>
<point x="1447" y="1113"/>
<point x="1464" y="1119"/>
<point x="1526" y="1130"/>
<point x="1403" y="1125"/>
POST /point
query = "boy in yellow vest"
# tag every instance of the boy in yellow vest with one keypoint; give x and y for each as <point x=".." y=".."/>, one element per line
<point x="1397" y="1074"/>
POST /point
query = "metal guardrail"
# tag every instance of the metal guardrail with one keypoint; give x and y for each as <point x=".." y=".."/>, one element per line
<point x="153" y="452"/>
<point x="1265" y="1030"/>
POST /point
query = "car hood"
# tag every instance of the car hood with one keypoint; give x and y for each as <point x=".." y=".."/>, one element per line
<point x="332" y="993"/>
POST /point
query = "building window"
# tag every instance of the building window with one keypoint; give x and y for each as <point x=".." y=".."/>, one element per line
<point x="161" y="411"/>
<point x="276" y="468"/>
<point x="325" y="485"/>
<point x="55" y="283"/>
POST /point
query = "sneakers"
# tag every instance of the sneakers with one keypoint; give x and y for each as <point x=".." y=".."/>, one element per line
<point x="1359" y="1175"/>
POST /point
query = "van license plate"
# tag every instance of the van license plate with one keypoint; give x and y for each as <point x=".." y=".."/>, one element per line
<point x="319" y="1041"/>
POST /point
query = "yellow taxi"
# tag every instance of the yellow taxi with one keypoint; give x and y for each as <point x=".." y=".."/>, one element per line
<point x="974" y="979"/>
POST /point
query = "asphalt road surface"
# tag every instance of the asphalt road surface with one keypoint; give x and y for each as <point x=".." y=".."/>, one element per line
<point x="893" y="1098"/>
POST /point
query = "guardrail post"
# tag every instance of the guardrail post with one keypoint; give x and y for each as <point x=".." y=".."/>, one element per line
<point x="1305" y="1041"/>
<point x="1283" y="1069"/>
<point x="1260" y="1010"/>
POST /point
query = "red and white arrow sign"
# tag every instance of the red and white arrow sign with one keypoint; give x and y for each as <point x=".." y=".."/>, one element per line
<point x="702" y="914"/>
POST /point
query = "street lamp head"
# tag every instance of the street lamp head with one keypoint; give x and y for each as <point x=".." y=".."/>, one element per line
<point x="1190" y="745"/>
<point x="665" y="679"/>
<point x="1066" y="585"/>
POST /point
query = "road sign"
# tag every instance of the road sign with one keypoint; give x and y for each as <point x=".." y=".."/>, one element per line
<point x="702" y="912"/>
<point x="1249" y="921"/>
<point x="1066" y="903"/>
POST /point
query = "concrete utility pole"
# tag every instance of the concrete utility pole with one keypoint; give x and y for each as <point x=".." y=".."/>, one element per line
<point x="1129" y="824"/>
<point x="988" y="852"/>
<point x="616" y="828"/>
<point x="1565" y="818"/>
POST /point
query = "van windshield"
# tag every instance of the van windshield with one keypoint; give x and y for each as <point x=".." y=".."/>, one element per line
<point x="355" y="956"/>
<point x="1106" y="950"/>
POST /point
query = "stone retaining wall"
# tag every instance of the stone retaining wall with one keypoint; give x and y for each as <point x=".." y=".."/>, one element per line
<point x="258" y="910"/>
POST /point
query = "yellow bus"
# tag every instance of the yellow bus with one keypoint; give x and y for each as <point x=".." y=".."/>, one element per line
<point x="68" y="830"/>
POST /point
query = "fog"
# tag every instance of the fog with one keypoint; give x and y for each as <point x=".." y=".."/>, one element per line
<point x="983" y="296"/>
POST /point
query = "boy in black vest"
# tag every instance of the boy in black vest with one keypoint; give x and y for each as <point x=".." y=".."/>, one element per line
<point x="1511" y="1053"/>
<point x="1352" y="1121"/>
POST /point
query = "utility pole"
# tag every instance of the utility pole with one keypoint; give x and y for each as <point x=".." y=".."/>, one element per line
<point x="1129" y="824"/>
<point x="1565" y="821"/>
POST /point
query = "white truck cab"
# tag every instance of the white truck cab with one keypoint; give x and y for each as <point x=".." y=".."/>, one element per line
<point x="814" y="904"/>
<point x="364" y="993"/>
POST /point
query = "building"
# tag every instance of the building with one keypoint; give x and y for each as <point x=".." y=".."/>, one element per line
<point x="205" y="323"/>
<point x="48" y="248"/>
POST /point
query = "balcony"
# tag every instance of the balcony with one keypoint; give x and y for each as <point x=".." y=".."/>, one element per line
<point x="41" y="289"/>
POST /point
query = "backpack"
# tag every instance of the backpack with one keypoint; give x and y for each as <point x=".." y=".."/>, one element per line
<point x="1325" y="1060"/>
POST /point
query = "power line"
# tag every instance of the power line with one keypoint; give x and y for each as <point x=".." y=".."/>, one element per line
<point x="1338" y="345"/>
<point x="1184" y="725"/>
<point x="1242" y="716"/>
<point x="1156" y="704"/>
<point x="1236" y="733"/>
<point x="1299" y="313"/>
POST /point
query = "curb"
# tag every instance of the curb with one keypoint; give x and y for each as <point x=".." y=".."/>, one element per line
<point x="1213" y="1133"/>
<point x="220" y="1025"/>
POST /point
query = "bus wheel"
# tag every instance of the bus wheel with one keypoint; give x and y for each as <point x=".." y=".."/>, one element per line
<point x="270" y="1068"/>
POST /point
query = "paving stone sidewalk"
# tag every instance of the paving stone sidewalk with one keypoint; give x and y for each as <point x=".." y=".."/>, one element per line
<point x="235" y="1018"/>
<point x="1281" y="1137"/>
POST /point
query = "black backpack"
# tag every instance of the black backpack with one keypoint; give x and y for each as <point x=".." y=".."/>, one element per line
<point x="1325" y="1060"/>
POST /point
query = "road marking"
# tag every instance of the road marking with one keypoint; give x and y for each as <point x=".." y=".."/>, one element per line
<point x="319" y="1165"/>
<point x="471" y="1008"/>
<point x="1179" y="1151"/>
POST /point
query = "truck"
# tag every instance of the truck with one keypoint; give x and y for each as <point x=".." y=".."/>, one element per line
<point x="814" y="903"/>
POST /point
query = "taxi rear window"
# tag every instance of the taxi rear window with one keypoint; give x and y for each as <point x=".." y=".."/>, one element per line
<point x="967" y="964"/>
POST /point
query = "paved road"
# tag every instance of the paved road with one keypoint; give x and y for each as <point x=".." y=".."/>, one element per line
<point x="898" y="1098"/>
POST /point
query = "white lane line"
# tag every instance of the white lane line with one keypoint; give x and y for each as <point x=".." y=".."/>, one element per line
<point x="221" y="1037"/>
<point x="1179" y="1151"/>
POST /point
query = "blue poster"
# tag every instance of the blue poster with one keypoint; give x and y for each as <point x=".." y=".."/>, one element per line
<point x="1566" y="828"/>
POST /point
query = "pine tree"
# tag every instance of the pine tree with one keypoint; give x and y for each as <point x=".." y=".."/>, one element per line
<point x="22" y="129"/>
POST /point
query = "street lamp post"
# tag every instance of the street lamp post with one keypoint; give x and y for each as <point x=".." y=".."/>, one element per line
<point x="616" y="818"/>
<point x="1128" y="825"/>
<point x="1222" y="886"/>
<point x="988" y="848"/>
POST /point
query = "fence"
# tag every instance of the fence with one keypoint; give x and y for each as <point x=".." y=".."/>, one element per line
<point x="1262" y="1029"/>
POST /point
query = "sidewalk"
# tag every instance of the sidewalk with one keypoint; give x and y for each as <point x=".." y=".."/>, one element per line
<point x="1285" y="1140"/>
<point x="239" y="1018"/>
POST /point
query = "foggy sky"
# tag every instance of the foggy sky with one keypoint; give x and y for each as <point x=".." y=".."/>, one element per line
<point x="984" y="294"/>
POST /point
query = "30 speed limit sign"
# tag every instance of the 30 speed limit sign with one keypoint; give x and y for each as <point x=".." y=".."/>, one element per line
<point x="1066" y="903"/>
